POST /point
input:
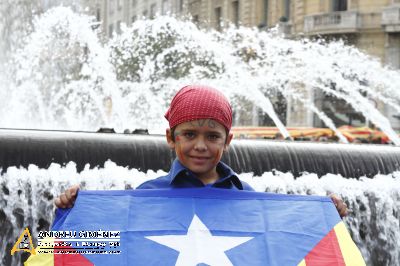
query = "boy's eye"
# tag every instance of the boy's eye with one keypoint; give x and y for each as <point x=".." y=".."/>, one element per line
<point x="213" y="137"/>
<point x="189" y="135"/>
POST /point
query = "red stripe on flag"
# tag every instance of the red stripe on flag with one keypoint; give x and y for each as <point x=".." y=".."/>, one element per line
<point x="70" y="259"/>
<point x="326" y="253"/>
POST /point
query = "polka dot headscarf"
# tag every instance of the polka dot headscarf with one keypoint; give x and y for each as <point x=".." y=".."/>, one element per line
<point x="199" y="102"/>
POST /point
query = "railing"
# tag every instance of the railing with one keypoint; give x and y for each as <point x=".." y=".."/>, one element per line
<point x="391" y="18"/>
<point x="285" y="28"/>
<point x="334" y="22"/>
<point x="370" y="20"/>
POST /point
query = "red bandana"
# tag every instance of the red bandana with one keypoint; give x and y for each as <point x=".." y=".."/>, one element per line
<point x="199" y="102"/>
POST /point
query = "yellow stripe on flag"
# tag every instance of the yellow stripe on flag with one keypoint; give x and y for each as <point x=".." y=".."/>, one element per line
<point x="41" y="258"/>
<point x="351" y="254"/>
<point x="302" y="263"/>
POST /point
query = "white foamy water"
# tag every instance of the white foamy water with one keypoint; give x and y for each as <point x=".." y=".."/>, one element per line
<point x="61" y="76"/>
<point x="374" y="221"/>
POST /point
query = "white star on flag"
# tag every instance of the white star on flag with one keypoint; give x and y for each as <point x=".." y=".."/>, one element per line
<point x="199" y="246"/>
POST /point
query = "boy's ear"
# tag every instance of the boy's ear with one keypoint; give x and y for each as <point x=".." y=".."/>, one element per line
<point x="170" y="141"/>
<point x="228" y="141"/>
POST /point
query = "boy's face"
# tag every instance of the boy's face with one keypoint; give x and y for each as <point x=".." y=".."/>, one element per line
<point x="199" y="145"/>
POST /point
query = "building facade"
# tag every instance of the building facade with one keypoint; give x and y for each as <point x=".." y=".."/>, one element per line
<point x="209" y="13"/>
<point x="370" y="25"/>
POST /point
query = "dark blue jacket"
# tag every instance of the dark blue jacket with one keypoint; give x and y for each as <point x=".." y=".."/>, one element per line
<point x="181" y="177"/>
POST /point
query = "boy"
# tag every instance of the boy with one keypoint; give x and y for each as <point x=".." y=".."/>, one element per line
<point x="200" y="119"/>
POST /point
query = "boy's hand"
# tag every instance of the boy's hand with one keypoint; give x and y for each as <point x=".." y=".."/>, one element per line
<point x="67" y="199"/>
<point x="341" y="207"/>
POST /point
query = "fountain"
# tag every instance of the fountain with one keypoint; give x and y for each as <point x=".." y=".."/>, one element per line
<point x="59" y="76"/>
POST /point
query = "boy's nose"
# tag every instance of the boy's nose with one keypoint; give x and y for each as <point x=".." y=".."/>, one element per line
<point x="200" y="144"/>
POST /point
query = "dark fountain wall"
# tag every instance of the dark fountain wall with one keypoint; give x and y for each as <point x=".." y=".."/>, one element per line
<point x="143" y="152"/>
<point x="370" y="223"/>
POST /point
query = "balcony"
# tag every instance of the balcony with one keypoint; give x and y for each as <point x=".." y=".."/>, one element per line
<point x="391" y="18"/>
<point x="332" y="23"/>
<point x="285" y="28"/>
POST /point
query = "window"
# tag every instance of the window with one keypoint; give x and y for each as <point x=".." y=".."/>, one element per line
<point x="218" y="14"/>
<point x="145" y="13"/>
<point x="339" y="5"/>
<point x="287" y="9"/>
<point x="194" y="7"/>
<point x="265" y="16"/>
<point x="110" y="30"/>
<point x="98" y="16"/>
<point x="133" y="3"/>
<point x="133" y="19"/>
<point x="119" y="26"/>
<point x="235" y="12"/>
<point x="195" y="19"/>
<point x="111" y="6"/>
<point x="152" y="11"/>
<point x="180" y="5"/>
<point x="165" y="7"/>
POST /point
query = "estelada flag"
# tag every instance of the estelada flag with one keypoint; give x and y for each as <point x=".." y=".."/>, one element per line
<point x="205" y="226"/>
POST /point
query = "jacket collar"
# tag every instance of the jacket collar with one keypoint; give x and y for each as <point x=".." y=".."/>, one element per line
<point x="224" y="171"/>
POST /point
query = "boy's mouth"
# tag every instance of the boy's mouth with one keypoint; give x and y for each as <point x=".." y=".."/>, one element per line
<point x="199" y="158"/>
